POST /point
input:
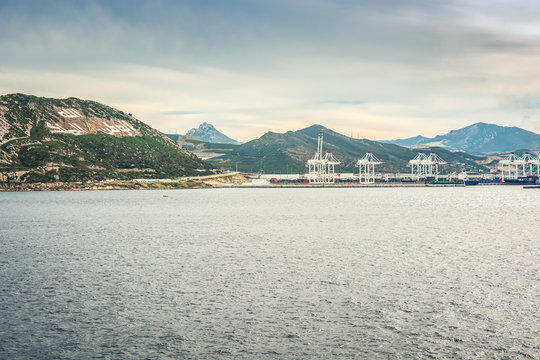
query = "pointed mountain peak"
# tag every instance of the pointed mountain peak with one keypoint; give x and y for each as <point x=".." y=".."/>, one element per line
<point x="316" y="127"/>
<point x="207" y="132"/>
<point x="206" y="126"/>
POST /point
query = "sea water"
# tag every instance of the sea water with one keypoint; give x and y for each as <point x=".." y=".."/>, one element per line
<point x="368" y="273"/>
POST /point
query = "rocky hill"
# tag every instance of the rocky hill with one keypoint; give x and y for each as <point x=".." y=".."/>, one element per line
<point x="288" y="152"/>
<point x="85" y="140"/>
<point x="208" y="133"/>
<point x="479" y="138"/>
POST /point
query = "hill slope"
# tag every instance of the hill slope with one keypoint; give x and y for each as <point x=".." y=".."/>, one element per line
<point x="478" y="138"/>
<point x="289" y="152"/>
<point x="208" y="133"/>
<point x="86" y="140"/>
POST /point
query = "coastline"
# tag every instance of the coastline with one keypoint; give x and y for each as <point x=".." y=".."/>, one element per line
<point x="19" y="187"/>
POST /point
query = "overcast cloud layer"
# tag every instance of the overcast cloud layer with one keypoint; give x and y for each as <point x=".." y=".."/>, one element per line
<point x="375" y="69"/>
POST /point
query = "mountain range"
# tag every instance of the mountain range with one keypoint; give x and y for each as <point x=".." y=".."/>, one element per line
<point x="288" y="152"/>
<point x="479" y="138"/>
<point x="85" y="140"/>
<point x="208" y="133"/>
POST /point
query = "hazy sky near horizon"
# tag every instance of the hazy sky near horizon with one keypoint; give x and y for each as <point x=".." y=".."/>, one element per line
<point x="373" y="69"/>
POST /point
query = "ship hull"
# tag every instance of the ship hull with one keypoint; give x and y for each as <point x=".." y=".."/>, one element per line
<point x="528" y="180"/>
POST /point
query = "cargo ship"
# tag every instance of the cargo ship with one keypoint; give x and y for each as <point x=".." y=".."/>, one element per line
<point x="471" y="182"/>
<point x="446" y="183"/>
<point x="522" y="180"/>
<point x="449" y="181"/>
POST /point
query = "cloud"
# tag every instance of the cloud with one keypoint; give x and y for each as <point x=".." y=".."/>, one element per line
<point x="344" y="102"/>
<point x="179" y="112"/>
<point x="386" y="69"/>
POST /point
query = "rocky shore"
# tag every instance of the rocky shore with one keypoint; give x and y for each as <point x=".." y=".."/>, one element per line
<point x="102" y="186"/>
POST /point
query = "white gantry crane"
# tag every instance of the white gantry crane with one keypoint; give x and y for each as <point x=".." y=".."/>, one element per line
<point x="509" y="166"/>
<point x="366" y="167"/>
<point x="514" y="166"/>
<point x="423" y="165"/>
<point x="321" y="169"/>
<point x="531" y="161"/>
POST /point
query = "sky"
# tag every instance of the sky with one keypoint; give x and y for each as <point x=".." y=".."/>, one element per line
<point x="369" y="69"/>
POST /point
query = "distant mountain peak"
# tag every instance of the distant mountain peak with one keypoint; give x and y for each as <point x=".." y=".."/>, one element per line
<point x="289" y="151"/>
<point x="480" y="138"/>
<point x="207" y="132"/>
<point x="206" y="126"/>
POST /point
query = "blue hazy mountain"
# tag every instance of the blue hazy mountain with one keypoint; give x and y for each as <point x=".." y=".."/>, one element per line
<point x="289" y="151"/>
<point x="208" y="133"/>
<point x="479" y="138"/>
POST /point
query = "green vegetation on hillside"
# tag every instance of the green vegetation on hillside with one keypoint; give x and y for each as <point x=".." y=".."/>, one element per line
<point x="289" y="152"/>
<point x="30" y="149"/>
<point x="97" y="156"/>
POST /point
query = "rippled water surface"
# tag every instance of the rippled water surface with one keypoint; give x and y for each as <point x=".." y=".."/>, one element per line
<point x="390" y="273"/>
